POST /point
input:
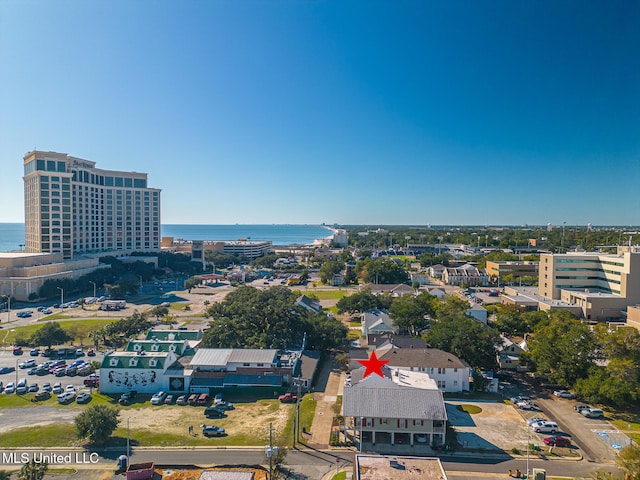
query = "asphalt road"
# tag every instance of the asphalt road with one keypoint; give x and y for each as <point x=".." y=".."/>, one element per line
<point x="313" y="464"/>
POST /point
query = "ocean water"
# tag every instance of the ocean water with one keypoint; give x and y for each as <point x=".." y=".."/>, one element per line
<point x="278" y="234"/>
<point x="12" y="234"/>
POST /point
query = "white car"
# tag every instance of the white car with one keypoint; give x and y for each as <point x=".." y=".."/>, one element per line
<point x="57" y="388"/>
<point x="545" y="427"/>
<point x="564" y="394"/>
<point x="533" y="420"/>
<point x="70" y="388"/>
<point x="158" y="398"/>
<point x="10" y="388"/>
<point x="28" y="363"/>
<point x="66" y="397"/>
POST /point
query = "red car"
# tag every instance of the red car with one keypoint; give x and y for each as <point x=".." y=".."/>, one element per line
<point x="557" y="441"/>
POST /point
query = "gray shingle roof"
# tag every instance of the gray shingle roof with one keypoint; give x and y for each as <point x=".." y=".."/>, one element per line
<point x="421" y="357"/>
<point x="381" y="398"/>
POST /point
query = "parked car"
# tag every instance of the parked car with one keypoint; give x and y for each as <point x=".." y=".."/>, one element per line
<point x="91" y="353"/>
<point x="557" y="441"/>
<point x="17" y="350"/>
<point x="83" y="398"/>
<point x="214" y="412"/>
<point x="533" y="420"/>
<point x="217" y="399"/>
<point x="526" y="406"/>
<point x="127" y="397"/>
<point x="158" y="398"/>
<point x="7" y="370"/>
<point x="46" y="387"/>
<point x="592" y="413"/>
<point x="192" y="399"/>
<point x="545" y="427"/>
<point x="10" y="388"/>
<point x="564" y="394"/>
<point x="202" y="399"/>
<point x="288" y="398"/>
<point x="43" y="395"/>
<point x="66" y="397"/>
<point x="212" y="431"/>
<point x="33" y="388"/>
<point x="581" y="406"/>
<point x="57" y="388"/>
<point x="182" y="400"/>
<point x="70" y="388"/>
<point x="32" y="371"/>
<point x="92" y="381"/>
<point x="170" y="400"/>
<point x="21" y="386"/>
<point x="34" y="352"/>
<point x="27" y="363"/>
<point x="225" y="406"/>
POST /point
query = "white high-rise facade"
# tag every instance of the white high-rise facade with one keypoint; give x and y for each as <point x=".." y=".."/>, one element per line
<point x="73" y="207"/>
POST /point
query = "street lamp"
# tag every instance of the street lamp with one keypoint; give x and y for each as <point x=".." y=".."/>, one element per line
<point x="94" y="288"/>
<point x="61" y="297"/>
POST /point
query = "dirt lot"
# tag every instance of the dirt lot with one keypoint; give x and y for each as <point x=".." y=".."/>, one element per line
<point x="247" y="421"/>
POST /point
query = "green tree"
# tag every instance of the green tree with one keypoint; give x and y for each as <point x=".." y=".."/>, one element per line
<point x="329" y="269"/>
<point x="33" y="470"/>
<point x="381" y="270"/>
<point x="361" y="302"/>
<point x="466" y="338"/>
<point x="562" y="349"/>
<point x="269" y="318"/>
<point x="5" y="475"/>
<point x="159" y="311"/>
<point x="51" y="333"/>
<point x="629" y="460"/>
<point x="192" y="282"/>
<point x="411" y="313"/>
<point x="97" y="422"/>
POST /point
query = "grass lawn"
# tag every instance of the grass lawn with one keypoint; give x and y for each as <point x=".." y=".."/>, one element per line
<point x="330" y="294"/>
<point x="307" y="411"/>
<point x="53" y="435"/>
<point x="339" y="476"/>
<point x="79" y="328"/>
<point x="24" y="401"/>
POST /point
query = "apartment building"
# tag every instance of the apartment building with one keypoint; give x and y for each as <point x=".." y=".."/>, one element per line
<point x="500" y="270"/>
<point x="601" y="285"/>
<point x="72" y="207"/>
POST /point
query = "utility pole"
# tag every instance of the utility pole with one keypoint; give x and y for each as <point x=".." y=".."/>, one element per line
<point x="270" y="450"/>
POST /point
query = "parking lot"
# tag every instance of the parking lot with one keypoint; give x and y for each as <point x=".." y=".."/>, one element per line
<point x="7" y="359"/>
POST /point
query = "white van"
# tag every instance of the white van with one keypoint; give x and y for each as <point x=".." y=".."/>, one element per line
<point x="592" y="413"/>
<point x="545" y="427"/>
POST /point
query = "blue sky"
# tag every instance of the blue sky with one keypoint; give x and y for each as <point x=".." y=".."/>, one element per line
<point x="357" y="112"/>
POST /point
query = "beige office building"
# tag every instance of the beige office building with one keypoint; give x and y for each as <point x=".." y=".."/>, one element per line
<point x="72" y="207"/>
<point x="601" y="285"/>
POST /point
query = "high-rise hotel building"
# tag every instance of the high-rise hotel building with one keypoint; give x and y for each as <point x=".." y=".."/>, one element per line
<point x="72" y="207"/>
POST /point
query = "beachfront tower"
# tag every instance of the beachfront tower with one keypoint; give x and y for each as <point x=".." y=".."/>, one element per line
<point x="72" y="207"/>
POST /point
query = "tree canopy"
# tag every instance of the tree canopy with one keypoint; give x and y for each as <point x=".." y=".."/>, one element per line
<point x="562" y="348"/>
<point x="411" y="313"/>
<point x="362" y="301"/>
<point x="51" y="333"/>
<point x="97" y="422"/>
<point x="381" y="270"/>
<point x="269" y="318"/>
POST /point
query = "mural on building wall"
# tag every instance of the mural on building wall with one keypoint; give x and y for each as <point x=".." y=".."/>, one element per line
<point x="138" y="379"/>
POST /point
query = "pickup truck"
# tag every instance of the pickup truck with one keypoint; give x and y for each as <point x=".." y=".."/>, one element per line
<point x="288" y="398"/>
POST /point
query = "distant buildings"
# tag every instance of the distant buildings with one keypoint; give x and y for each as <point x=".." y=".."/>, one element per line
<point x="499" y="270"/>
<point x="600" y="286"/>
<point x="72" y="207"/>
<point x="468" y="275"/>
<point x="197" y="248"/>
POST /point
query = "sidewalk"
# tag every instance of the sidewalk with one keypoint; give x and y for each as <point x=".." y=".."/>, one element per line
<point x="323" y="418"/>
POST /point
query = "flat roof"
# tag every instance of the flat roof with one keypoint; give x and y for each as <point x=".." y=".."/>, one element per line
<point x="376" y="467"/>
<point x="23" y="254"/>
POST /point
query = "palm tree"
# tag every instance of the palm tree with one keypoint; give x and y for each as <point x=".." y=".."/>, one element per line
<point x="33" y="470"/>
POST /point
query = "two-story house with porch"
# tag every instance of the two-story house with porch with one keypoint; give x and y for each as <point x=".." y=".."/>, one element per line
<point x="380" y="412"/>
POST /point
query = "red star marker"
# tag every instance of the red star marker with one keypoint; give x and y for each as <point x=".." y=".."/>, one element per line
<point x="373" y="365"/>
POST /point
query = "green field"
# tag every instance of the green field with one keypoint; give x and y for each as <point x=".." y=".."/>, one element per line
<point x="79" y="328"/>
<point x="329" y="294"/>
